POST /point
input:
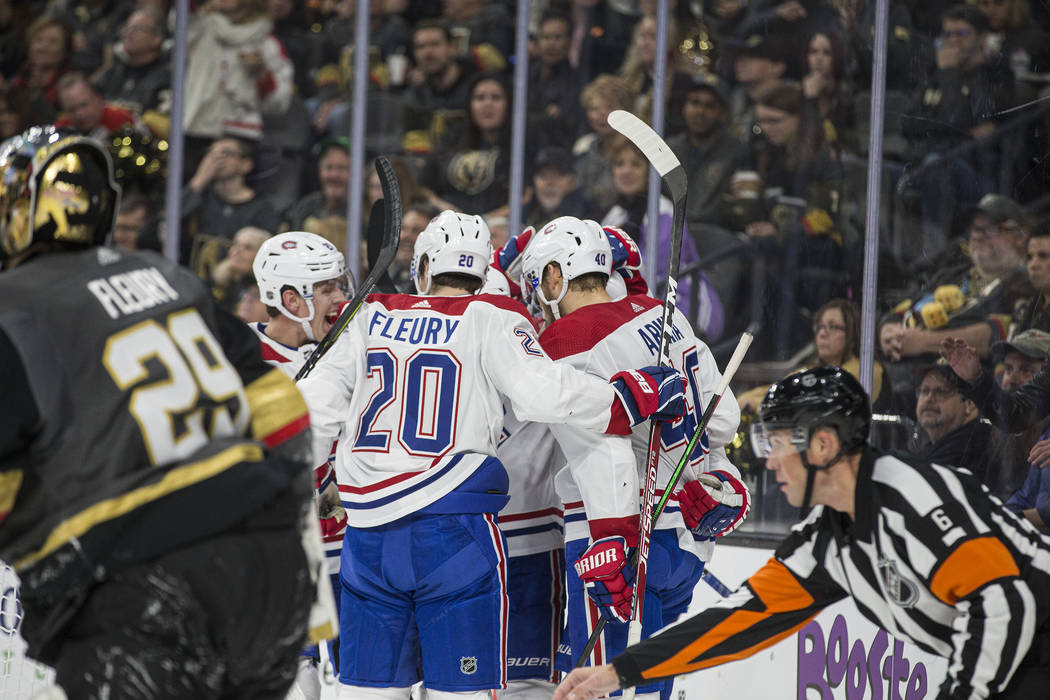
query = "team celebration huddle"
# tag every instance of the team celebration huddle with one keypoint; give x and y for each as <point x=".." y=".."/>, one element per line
<point x="464" y="492"/>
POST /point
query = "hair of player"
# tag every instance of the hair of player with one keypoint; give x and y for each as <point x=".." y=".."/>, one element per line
<point x="457" y="280"/>
<point x="273" y="311"/>
<point x="589" y="282"/>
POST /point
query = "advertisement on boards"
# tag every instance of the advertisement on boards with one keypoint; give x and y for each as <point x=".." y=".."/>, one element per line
<point x="838" y="655"/>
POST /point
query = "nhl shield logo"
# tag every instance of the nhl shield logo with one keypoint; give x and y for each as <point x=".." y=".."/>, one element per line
<point x="899" y="589"/>
<point x="468" y="664"/>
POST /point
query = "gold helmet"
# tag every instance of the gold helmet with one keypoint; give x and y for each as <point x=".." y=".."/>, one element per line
<point x="54" y="186"/>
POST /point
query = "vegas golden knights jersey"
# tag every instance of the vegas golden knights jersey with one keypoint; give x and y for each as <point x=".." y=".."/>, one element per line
<point x="146" y="404"/>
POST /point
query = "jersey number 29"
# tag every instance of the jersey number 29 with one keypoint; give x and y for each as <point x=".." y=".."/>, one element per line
<point x="182" y="389"/>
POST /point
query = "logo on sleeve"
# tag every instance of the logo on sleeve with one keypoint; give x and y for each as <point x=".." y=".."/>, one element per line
<point x="899" y="589"/>
<point x="468" y="664"/>
<point x="528" y="342"/>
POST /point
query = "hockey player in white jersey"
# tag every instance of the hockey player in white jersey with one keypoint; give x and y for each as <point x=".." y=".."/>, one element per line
<point x="419" y="380"/>
<point x="532" y="520"/>
<point x="303" y="281"/>
<point x="566" y="266"/>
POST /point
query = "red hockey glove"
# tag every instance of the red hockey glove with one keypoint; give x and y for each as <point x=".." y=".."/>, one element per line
<point x="626" y="259"/>
<point x="334" y="526"/>
<point x="650" y="392"/>
<point x="604" y="572"/>
<point x="504" y="256"/>
<point x="715" y="504"/>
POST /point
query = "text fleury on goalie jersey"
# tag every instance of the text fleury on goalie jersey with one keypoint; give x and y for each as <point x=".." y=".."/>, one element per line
<point x="650" y="335"/>
<point x="416" y="330"/>
<point x="131" y="292"/>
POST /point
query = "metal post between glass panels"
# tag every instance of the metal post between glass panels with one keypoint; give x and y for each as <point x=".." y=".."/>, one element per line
<point x="869" y="285"/>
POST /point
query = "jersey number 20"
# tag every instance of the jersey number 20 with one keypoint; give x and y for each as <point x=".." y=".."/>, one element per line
<point x="429" y="402"/>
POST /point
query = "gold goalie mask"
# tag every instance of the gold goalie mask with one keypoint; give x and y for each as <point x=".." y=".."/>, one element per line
<point x="54" y="187"/>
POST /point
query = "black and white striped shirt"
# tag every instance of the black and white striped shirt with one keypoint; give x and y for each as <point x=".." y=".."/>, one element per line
<point x="931" y="558"/>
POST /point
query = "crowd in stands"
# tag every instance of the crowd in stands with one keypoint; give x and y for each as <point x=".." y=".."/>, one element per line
<point x="767" y="105"/>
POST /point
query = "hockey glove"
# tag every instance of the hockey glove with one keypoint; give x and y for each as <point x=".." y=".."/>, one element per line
<point x="650" y="392"/>
<point x="626" y="259"/>
<point x="504" y="257"/>
<point x="715" y="504"/>
<point x="604" y="572"/>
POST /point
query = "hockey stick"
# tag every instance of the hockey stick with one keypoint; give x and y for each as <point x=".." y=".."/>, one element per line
<point x="391" y="237"/>
<point x="374" y="244"/>
<point x="672" y="173"/>
<point x="708" y="577"/>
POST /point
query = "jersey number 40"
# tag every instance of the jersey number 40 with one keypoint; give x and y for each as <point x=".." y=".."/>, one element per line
<point x="429" y="402"/>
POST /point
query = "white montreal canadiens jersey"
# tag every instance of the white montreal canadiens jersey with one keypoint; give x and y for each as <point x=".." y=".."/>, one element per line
<point x="532" y="520"/>
<point x="604" y="339"/>
<point x="420" y="383"/>
<point x="288" y="359"/>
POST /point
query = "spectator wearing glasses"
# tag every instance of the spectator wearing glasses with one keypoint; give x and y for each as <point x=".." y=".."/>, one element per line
<point x="218" y="201"/>
<point x="836" y="343"/>
<point x="792" y="216"/>
<point x="972" y="301"/>
<point x="951" y="432"/>
<point x="968" y="88"/>
<point x="140" y="77"/>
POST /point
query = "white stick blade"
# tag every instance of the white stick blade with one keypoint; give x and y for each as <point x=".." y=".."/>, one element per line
<point x="734" y="362"/>
<point x="647" y="140"/>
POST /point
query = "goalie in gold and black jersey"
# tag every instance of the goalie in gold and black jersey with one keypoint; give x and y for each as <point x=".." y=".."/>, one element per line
<point x="922" y="549"/>
<point x="152" y="473"/>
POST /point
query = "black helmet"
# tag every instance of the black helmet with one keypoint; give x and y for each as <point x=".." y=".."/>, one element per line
<point x="54" y="186"/>
<point x="817" y="397"/>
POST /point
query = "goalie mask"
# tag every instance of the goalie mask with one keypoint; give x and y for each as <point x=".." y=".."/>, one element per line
<point x="813" y="398"/>
<point x="452" y="243"/>
<point x="579" y="246"/>
<point x="54" y="187"/>
<point x="299" y="260"/>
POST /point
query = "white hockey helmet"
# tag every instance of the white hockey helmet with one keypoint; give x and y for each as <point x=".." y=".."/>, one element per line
<point x="297" y="259"/>
<point x="579" y="246"/>
<point x="452" y="242"/>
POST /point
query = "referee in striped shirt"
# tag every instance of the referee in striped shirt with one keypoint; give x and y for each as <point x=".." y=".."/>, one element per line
<point x="922" y="549"/>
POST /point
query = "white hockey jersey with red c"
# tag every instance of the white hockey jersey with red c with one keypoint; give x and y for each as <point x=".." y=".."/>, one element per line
<point x="596" y="488"/>
<point x="419" y="381"/>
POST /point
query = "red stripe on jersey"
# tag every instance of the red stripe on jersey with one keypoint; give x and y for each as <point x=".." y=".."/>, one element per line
<point x="379" y="484"/>
<point x="451" y="306"/>
<point x="530" y="514"/>
<point x="584" y="328"/>
<point x="271" y="355"/>
<point x="281" y="434"/>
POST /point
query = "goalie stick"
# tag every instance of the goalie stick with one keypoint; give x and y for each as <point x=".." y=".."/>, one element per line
<point x="707" y="576"/>
<point x="672" y="173"/>
<point x="391" y="235"/>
